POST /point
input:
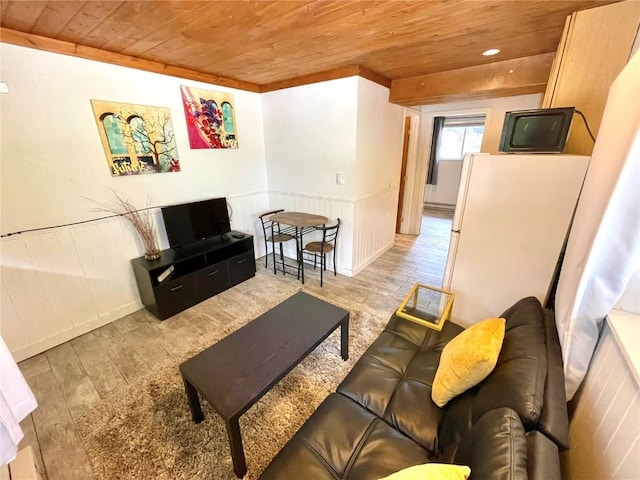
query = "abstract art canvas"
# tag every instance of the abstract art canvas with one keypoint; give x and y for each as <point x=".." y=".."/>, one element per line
<point x="136" y="139"/>
<point x="211" y="121"/>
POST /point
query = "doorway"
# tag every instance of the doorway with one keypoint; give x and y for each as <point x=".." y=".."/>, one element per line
<point x="403" y="171"/>
<point x="409" y="164"/>
<point x="453" y="137"/>
<point x="416" y="188"/>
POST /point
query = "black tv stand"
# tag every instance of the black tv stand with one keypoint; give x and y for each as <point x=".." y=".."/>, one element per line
<point x="200" y="271"/>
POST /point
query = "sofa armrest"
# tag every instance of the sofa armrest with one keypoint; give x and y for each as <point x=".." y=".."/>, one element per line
<point x="554" y="420"/>
<point x="495" y="448"/>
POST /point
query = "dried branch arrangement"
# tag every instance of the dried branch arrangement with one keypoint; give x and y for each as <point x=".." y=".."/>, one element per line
<point x="141" y="220"/>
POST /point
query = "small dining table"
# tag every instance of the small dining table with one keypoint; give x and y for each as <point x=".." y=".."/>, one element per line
<point x="301" y="223"/>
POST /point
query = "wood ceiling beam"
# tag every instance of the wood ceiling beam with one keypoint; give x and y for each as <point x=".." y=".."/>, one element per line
<point x="518" y="76"/>
<point x="22" y="39"/>
<point x="374" y="77"/>
<point x="333" y="74"/>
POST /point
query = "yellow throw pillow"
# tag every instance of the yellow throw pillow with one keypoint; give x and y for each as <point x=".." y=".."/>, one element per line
<point x="468" y="359"/>
<point x="432" y="471"/>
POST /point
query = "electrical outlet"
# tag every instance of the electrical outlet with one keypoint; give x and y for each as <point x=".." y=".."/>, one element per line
<point x="340" y="178"/>
<point x="4" y="88"/>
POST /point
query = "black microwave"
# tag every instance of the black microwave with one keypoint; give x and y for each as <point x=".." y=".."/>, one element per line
<point x="543" y="130"/>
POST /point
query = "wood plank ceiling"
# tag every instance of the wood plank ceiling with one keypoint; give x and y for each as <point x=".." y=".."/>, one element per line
<point x="260" y="45"/>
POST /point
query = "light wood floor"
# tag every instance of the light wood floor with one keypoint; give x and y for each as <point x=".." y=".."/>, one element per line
<point x="70" y="378"/>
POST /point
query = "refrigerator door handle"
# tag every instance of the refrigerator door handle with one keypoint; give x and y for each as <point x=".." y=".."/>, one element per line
<point x="451" y="261"/>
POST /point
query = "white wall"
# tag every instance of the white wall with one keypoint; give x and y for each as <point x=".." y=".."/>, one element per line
<point x="313" y="132"/>
<point x="52" y="162"/>
<point x="51" y="152"/>
<point x="493" y="108"/>
<point x="380" y="127"/>
<point x="379" y="139"/>
<point x="445" y="191"/>
<point x="310" y="135"/>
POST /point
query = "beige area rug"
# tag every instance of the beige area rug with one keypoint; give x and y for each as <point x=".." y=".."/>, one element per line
<point x="146" y="431"/>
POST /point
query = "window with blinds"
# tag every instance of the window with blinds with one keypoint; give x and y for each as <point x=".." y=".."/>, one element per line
<point x="459" y="136"/>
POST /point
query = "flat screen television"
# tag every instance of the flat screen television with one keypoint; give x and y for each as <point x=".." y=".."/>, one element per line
<point x="191" y="222"/>
<point x="543" y="130"/>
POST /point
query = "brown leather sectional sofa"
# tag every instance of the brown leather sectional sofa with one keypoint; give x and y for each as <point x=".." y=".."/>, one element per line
<point x="382" y="419"/>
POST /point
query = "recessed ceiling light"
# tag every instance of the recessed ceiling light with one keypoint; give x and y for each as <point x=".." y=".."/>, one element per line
<point x="491" y="51"/>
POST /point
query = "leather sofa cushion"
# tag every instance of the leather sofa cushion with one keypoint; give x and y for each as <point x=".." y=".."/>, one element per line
<point x="495" y="448"/>
<point x="342" y="440"/>
<point x="393" y="378"/>
<point x="518" y="380"/>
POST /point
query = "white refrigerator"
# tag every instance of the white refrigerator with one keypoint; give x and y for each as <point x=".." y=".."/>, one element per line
<point x="512" y="214"/>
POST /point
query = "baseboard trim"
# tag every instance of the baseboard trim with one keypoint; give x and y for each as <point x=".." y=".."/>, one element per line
<point x="440" y="206"/>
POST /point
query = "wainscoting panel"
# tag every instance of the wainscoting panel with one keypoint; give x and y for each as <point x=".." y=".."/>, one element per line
<point x="605" y="428"/>
<point x="374" y="231"/>
<point x="332" y="208"/>
<point x="58" y="284"/>
<point x="367" y="229"/>
<point x="63" y="282"/>
<point x="246" y="209"/>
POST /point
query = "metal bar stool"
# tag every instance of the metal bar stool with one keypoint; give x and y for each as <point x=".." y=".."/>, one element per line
<point x="273" y="235"/>
<point x="327" y="245"/>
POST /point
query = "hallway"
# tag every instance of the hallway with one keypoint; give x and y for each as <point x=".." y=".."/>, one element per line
<point x="430" y="248"/>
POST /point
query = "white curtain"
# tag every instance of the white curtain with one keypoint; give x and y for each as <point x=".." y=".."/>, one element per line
<point x="16" y="402"/>
<point x="603" y="250"/>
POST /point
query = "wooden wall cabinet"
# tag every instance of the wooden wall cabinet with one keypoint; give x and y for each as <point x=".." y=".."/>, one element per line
<point x="596" y="44"/>
<point x="201" y="271"/>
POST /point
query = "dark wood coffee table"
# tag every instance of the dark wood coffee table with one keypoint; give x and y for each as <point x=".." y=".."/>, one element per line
<point x="237" y="371"/>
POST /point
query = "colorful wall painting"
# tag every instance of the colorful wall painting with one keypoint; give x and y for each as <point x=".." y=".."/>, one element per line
<point x="136" y="139"/>
<point x="211" y="120"/>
